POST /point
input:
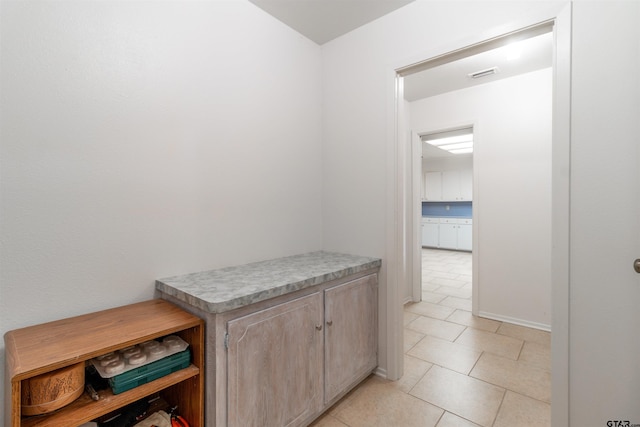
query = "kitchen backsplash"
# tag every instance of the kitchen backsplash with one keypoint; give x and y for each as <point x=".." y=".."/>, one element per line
<point x="439" y="209"/>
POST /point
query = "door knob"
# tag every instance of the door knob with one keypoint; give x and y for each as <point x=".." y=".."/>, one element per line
<point x="636" y="265"/>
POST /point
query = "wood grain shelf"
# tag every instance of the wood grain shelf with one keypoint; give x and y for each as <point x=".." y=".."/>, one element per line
<point x="43" y="348"/>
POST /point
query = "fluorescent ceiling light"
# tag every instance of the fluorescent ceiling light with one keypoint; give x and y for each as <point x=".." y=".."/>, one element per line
<point x="459" y="145"/>
<point x="450" y="140"/>
<point x="462" y="151"/>
<point x="457" y="141"/>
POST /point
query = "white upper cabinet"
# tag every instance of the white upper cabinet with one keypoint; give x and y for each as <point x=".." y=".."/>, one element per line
<point x="448" y="186"/>
<point x="451" y="185"/>
<point x="433" y="186"/>
<point x="466" y="184"/>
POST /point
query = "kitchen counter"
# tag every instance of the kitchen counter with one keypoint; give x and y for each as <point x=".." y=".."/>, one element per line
<point x="217" y="291"/>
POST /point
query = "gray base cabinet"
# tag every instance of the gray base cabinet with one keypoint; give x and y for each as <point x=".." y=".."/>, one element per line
<point x="351" y="334"/>
<point x="284" y="361"/>
<point x="274" y="363"/>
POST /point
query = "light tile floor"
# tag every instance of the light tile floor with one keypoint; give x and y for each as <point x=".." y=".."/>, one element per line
<point x="460" y="370"/>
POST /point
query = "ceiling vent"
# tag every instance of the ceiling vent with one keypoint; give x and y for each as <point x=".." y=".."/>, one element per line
<point x="484" y="73"/>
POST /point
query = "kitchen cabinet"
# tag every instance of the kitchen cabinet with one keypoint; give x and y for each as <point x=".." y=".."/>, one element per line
<point x="447" y="233"/>
<point x="465" y="232"/>
<point x="286" y="338"/>
<point x="432" y="186"/>
<point x="430" y="232"/>
<point x="457" y="185"/>
<point x="42" y="349"/>
<point x="466" y="184"/>
<point x="449" y="186"/>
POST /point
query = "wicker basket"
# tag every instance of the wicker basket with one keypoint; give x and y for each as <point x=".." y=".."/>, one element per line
<point x="53" y="390"/>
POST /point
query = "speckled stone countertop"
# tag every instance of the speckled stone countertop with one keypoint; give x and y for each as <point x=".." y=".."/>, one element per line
<point x="225" y="289"/>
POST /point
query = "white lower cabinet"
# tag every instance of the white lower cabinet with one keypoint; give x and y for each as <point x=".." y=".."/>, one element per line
<point x="289" y="362"/>
<point x="430" y="232"/>
<point x="447" y="233"/>
<point x="465" y="233"/>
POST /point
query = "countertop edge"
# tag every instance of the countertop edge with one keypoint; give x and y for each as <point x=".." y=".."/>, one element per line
<point x="369" y="264"/>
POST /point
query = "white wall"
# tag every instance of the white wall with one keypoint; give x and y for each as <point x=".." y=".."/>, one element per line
<point x="147" y="139"/>
<point x="512" y="174"/>
<point x="604" y="338"/>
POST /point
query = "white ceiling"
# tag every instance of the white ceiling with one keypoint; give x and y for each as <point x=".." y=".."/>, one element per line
<point x="324" y="20"/>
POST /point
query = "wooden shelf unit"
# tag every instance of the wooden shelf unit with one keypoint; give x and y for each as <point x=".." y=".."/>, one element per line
<point x="39" y="349"/>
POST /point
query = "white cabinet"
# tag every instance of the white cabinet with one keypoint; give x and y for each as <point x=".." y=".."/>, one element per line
<point x="466" y="184"/>
<point x="430" y="232"/>
<point x="465" y="232"/>
<point x="457" y="185"/>
<point x="447" y="233"/>
<point x="451" y="185"/>
<point x="448" y="186"/>
<point x="432" y="186"/>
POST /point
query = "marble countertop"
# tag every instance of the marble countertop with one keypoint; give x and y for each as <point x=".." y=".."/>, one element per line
<point x="225" y="289"/>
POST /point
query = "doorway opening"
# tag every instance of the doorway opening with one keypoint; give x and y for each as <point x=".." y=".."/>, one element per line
<point x="403" y="224"/>
<point x="516" y="125"/>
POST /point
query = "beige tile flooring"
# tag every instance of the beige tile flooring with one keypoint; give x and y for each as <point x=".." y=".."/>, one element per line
<point x="460" y="370"/>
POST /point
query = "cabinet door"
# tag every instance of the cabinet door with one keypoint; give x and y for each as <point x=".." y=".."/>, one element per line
<point x="430" y="235"/>
<point x="351" y="337"/>
<point x="451" y="185"/>
<point x="464" y="237"/>
<point x="433" y="186"/>
<point x="274" y="364"/>
<point x="466" y="184"/>
<point x="448" y="236"/>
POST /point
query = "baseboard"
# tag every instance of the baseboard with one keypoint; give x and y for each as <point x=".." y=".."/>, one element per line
<point x="512" y="320"/>
<point x="380" y="372"/>
<point x="407" y="300"/>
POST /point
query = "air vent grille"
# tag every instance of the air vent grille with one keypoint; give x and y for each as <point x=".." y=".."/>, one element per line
<point x="484" y="73"/>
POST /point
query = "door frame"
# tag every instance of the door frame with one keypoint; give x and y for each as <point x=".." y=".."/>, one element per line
<point x="400" y="254"/>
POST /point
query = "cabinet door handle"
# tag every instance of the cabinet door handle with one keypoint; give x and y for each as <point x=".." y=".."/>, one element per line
<point x="319" y="327"/>
<point x="636" y="265"/>
<point x="329" y="322"/>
